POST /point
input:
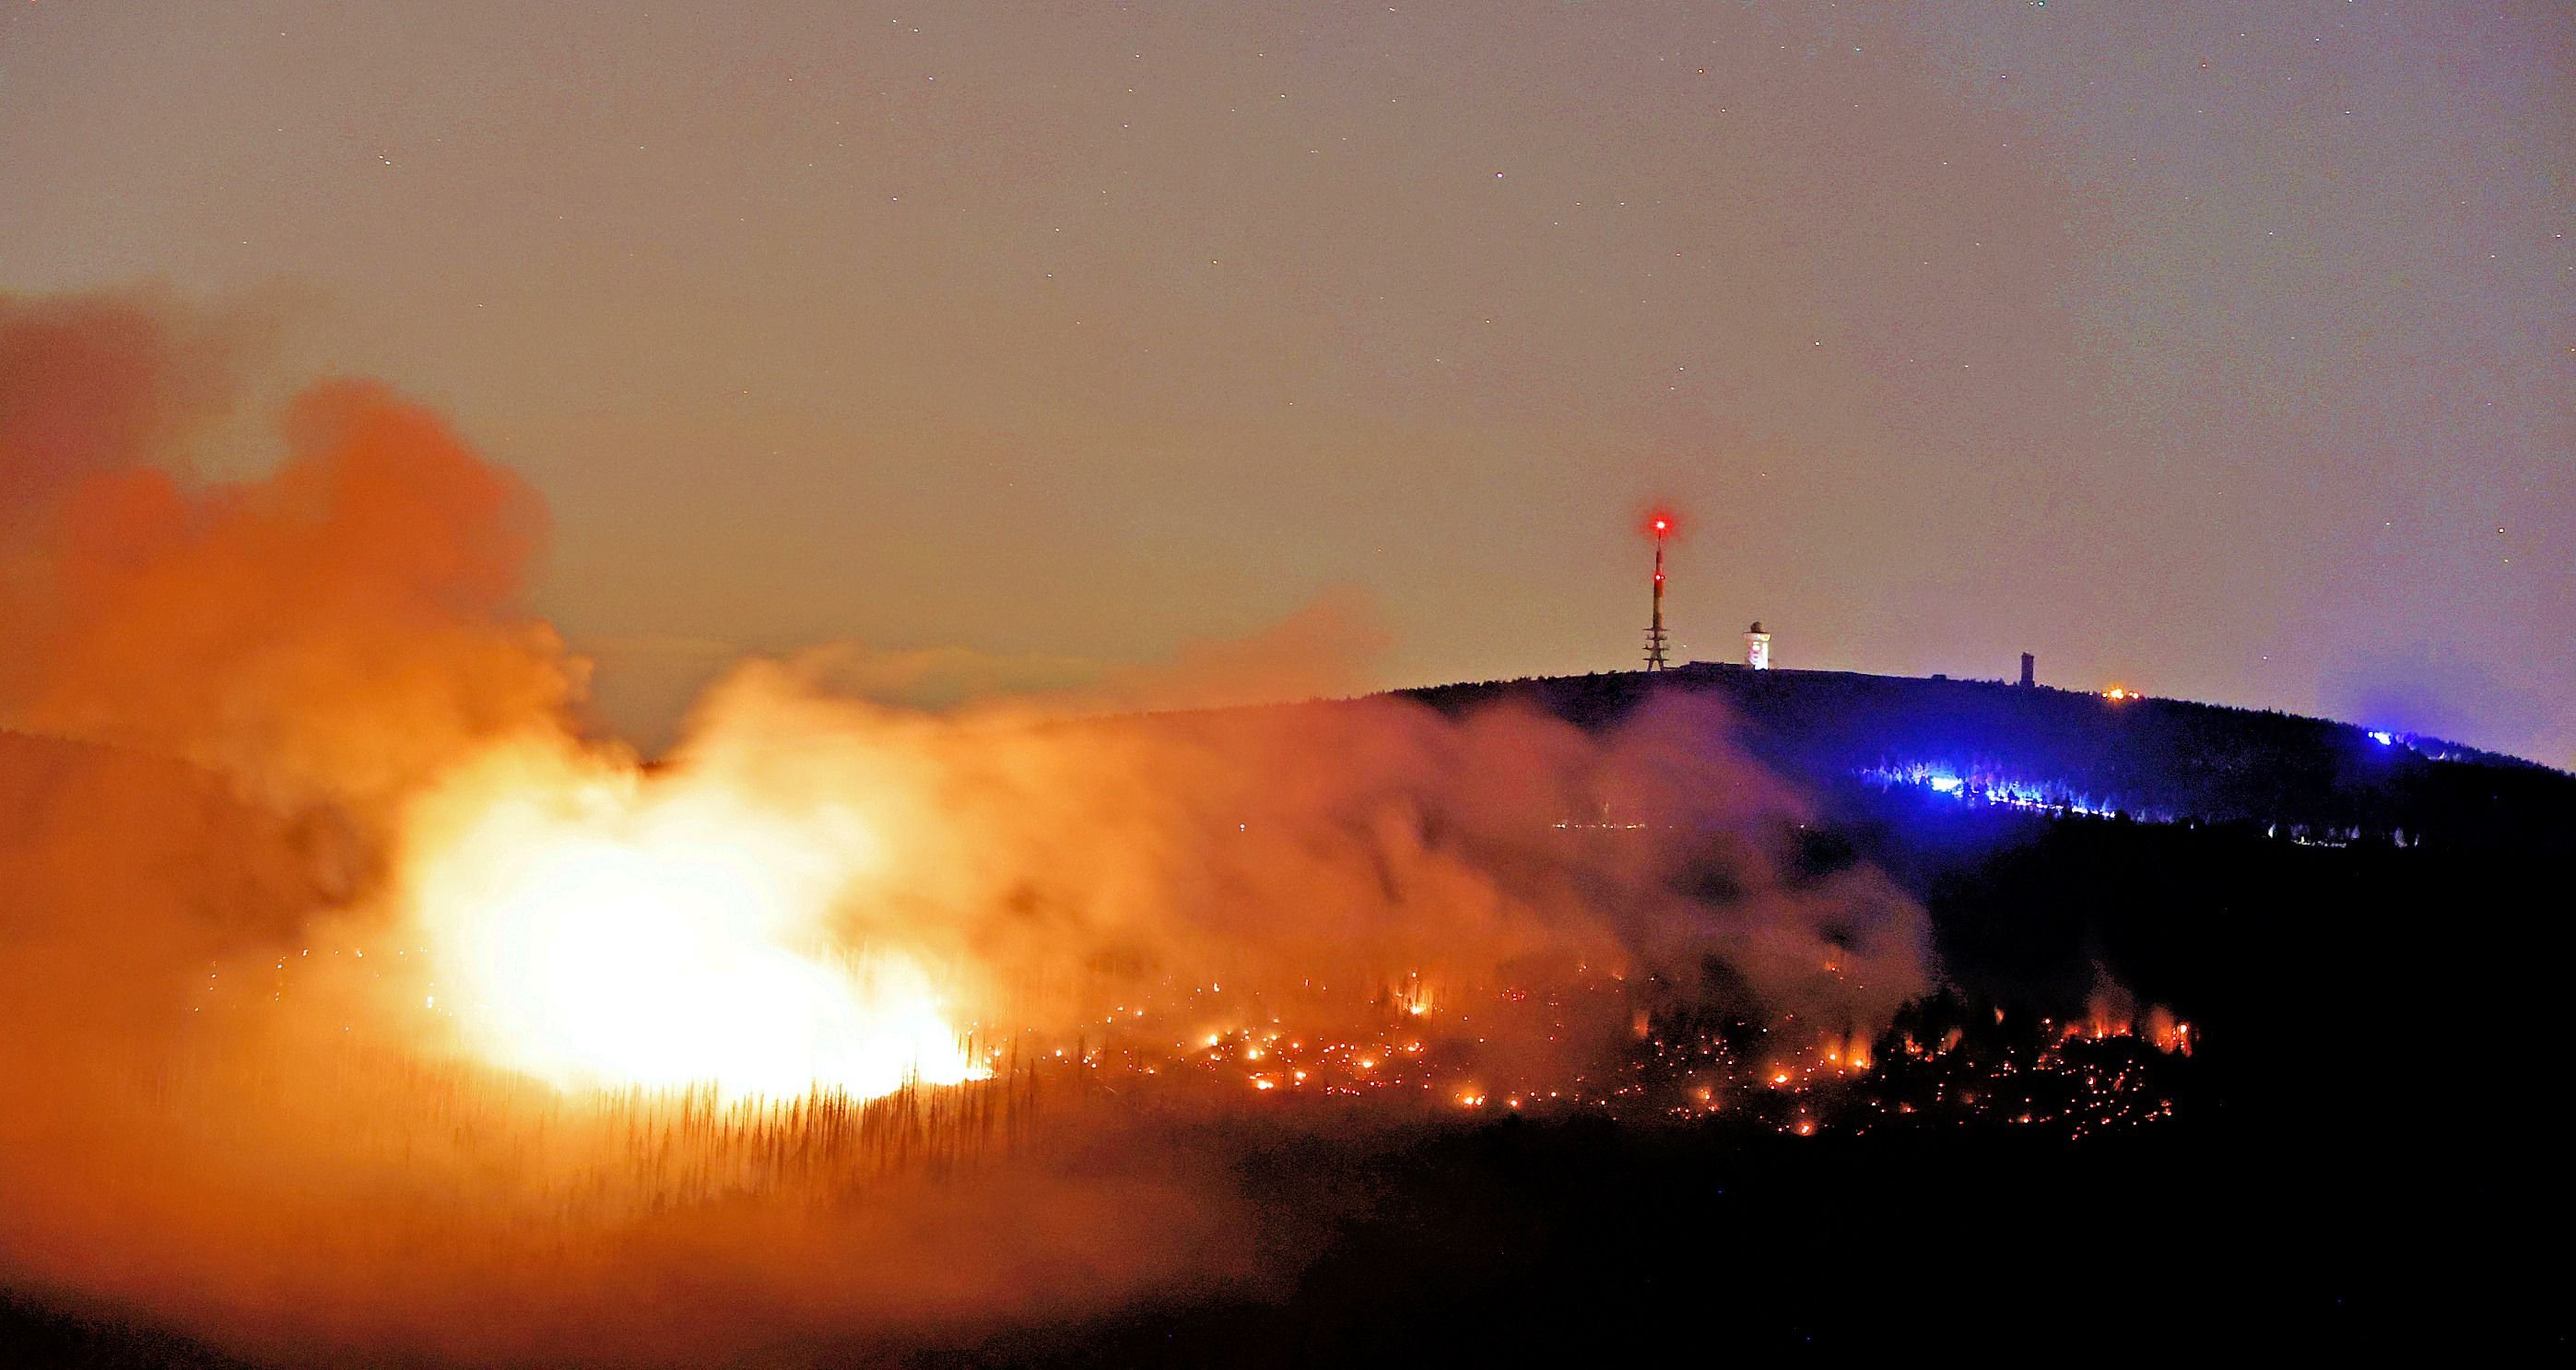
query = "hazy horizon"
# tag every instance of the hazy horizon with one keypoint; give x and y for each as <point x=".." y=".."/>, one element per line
<point x="2217" y="351"/>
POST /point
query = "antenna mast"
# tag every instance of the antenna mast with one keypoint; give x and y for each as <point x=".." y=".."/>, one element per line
<point x="1662" y="527"/>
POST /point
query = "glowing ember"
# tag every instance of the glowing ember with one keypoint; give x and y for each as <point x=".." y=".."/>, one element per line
<point x="595" y="930"/>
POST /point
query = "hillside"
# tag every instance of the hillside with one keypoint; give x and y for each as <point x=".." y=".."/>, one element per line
<point x="2155" y="759"/>
<point x="2358" y="1151"/>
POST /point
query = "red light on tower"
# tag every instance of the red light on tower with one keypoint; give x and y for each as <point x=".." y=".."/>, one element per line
<point x="1659" y="526"/>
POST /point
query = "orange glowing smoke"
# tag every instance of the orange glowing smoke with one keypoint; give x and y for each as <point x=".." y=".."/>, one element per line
<point x="308" y="713"/>
<point x="2170" y="1034"/>
<point x="599" y="930"/>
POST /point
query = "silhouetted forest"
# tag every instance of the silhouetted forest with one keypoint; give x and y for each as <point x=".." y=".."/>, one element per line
<point x="2364" y="1152"/>
<point x="2167" y="758"/>
<point x="2364" y="1148"/>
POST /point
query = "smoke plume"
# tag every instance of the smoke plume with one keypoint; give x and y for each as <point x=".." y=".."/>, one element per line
<point x="280" y="754"/>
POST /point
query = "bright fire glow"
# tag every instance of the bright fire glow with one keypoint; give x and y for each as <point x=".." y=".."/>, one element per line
<point x="598" y="930"/>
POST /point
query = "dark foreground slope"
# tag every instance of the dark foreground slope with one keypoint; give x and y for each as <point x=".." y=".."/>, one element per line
<point x="2366" y="1153"/>
<point x="2367" y="1145"/>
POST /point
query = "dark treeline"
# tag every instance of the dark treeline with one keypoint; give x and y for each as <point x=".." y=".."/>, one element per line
<point x="2364" y="1147"/>
<point x="2177" y="759"/>
<point x="2364" y="1144"/>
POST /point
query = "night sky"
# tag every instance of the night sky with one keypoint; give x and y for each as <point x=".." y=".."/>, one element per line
<point x="2220" y="350"/>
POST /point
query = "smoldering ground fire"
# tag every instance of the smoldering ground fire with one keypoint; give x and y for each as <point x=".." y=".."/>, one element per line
<point x="357" y="995"/>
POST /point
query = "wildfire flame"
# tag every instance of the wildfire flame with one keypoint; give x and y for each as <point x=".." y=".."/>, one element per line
<point x="596" y="928"/>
